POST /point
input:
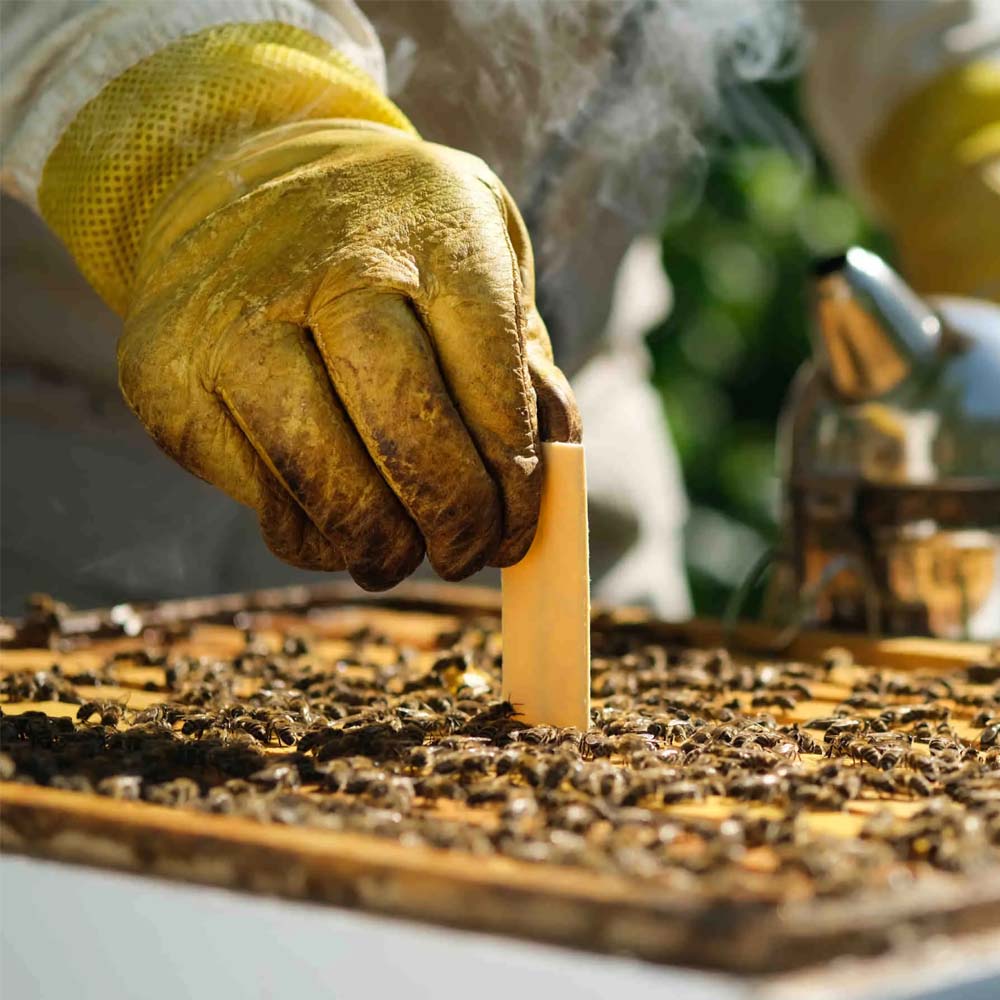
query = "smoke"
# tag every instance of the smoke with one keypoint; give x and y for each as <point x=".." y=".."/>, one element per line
<point x="598" y="115"/>
<point x="635" y="89"/>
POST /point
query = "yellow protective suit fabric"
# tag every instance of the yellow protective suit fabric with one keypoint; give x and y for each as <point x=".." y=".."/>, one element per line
<point x="935" y="173"/>
<point x="148" y="127"/>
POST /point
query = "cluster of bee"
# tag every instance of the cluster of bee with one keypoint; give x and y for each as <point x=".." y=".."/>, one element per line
<point x="685" y="746"/>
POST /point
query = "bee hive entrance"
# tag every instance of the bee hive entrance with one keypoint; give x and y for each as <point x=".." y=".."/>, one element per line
<point x="723" y="810"/>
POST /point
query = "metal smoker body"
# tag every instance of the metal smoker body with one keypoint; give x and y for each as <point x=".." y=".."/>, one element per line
<point x="889" y="448"/>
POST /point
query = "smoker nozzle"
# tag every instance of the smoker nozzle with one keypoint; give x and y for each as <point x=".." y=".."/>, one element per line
<point x="874" y="331"/>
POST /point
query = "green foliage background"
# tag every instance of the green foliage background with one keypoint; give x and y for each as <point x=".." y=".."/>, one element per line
<point x="738" y="331"/>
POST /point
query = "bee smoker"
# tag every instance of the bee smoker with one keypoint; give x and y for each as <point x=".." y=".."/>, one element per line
<point x="889" y="455"/>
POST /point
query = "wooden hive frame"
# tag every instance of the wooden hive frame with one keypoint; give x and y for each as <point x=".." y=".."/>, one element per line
<point x="564" y="906"/>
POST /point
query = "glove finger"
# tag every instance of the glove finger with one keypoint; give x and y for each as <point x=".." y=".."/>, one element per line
<point x="558" y="415"/>
<point x="194" y="427"/>
<point x="277" y="390"/>
<point x="291" y="536"/>
<point x="477" y="321"/>
<point x="383" y="369"/>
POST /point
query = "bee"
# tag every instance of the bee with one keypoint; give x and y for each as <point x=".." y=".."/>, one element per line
<point x="724" y="734"/>
<point x="560" y="769"/>
<point x="843" y="727"/>
<point x="508" y="761"/>
<point x="463" y="763"/>
<point x="756" y="788"/>
<point x="254" y="728"/>
<point x="72" y="783"/>
<point x="918" y="784"/>
<point x="863" y="701"/>
<point x="438" y="786"/>
<point x="822" y="724"/>
<point x="282" y="728"/>
<point x="652" y="759"/>
<point x="603" y="782"/>
<point x="179" y="792"/>
<point x="629" y="743"/>
<point x="198" y="725"/>
<point x="109" y="712"/>
<point x="983" y="673"/>
<point x="836" y="657"/>
<point x="390" y="792"/>
<point x="806" y="743"/>
<point x="315" y="736"/>
<point x="172" y="713"/>
<point x="154" y="715"/>
<point x="867" y="753"/>
<point x="594" y="745"/>
<point x="718" y="662"/>
<point x="878" y="780"/>
<point x="777" y="699"/>
<point x="818" y="797"/>
<point x="520" y="808"/>
<point x="492" y="790"/>
<point x="531" y="771"/>
<point x="766" y="739"/>
<point x="922" y="713"/>
<point x="121" y="786"/>
<point x="537" y="735"/>
<point x="279" y="775"/>
<point x="458" y="742"/>
<point x="218" y="800"/>
<point x="680" y="791"/>
<point x="420" y="757"/>
<point x="892" y="756"/>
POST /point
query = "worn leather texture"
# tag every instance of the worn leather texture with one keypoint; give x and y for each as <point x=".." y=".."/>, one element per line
<point x="334" y="322"/>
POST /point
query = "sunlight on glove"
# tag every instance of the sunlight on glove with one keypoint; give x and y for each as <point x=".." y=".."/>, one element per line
<point x="325" y="316"/>
<point x="334" y="322"/>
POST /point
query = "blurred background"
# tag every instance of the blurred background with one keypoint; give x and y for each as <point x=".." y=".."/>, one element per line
<point x="738" y="331"/>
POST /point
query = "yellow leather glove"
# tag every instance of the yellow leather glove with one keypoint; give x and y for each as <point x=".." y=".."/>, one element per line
<point x="333" y="321"/>
<point x="934" y="170"/>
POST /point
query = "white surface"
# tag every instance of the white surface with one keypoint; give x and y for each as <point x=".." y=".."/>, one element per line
<point x="76" y="932"/>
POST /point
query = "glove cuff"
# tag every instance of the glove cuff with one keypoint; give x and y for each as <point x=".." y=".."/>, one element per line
<point x="152" y="124"/>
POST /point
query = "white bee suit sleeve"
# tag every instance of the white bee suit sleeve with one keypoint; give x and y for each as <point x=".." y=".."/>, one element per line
<point x="57" y="56"/>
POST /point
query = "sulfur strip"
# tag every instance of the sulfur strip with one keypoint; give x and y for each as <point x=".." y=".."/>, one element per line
<point x="546" y="603"/>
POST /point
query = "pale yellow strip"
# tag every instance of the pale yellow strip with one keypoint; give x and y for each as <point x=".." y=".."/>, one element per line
<point x="546" y="603"/>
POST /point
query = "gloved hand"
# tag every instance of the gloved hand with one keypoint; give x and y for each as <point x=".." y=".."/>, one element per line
<point x="933" y="171"/>
<point x="334" y="322"/>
